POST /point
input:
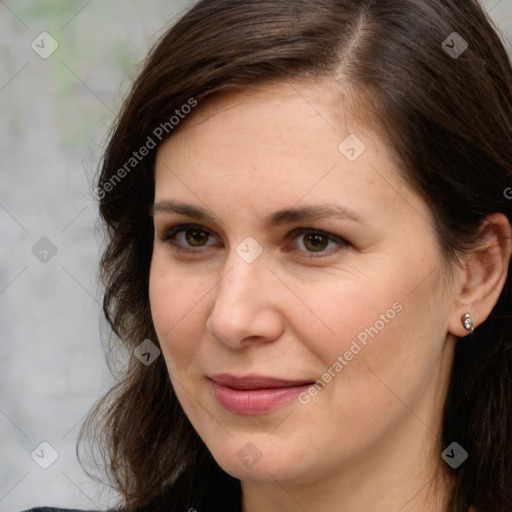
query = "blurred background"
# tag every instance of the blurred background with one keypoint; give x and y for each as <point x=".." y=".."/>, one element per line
<point x="64" y="68"/>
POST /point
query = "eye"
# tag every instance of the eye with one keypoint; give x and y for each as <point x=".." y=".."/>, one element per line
<point x="315" y="241"/>
<point x="188" y="236"/>
<point x="192" y="237"/>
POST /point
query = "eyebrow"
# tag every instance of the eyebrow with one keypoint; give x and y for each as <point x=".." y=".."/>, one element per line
<point x="286" y="215"/>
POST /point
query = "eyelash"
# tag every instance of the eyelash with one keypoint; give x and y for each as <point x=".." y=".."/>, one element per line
<point x="169" y="235"/>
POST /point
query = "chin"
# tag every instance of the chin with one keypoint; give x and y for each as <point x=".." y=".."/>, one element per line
<point x="261" y="461"/>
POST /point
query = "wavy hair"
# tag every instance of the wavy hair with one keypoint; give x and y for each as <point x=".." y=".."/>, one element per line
<point x="447" y="118"/>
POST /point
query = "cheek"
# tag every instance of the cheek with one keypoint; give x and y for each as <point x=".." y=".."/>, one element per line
<point x="337" y="311"/>
<point x="176" y="310"/>
<point x="370" y="332"/>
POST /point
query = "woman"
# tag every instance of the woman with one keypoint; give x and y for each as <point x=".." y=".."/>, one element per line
<point x="308" y="219"/>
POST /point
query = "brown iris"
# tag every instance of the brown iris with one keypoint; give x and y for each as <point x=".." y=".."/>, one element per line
<point x="315" y="242"/>
<point x="196" y="237"/>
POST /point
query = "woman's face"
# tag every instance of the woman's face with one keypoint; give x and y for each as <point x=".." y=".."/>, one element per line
<point x="303" y="257"/>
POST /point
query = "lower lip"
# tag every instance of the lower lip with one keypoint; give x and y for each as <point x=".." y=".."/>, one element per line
<point x="255" y="401"/>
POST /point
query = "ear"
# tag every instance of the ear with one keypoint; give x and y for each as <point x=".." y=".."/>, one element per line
<point x="483" y="273"/>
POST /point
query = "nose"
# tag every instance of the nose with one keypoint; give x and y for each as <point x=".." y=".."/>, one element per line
<point x="246" y="304"/>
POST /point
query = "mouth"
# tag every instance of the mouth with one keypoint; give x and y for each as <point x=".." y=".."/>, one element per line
<point x="254" y="394"/>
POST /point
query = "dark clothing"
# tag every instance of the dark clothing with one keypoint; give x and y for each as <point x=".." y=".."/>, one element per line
<point x="51" y="509"/>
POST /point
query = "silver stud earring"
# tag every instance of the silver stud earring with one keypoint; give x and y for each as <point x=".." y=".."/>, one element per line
<point x="467" y="322"/>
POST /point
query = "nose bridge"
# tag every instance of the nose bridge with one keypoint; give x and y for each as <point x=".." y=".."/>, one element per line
<point x="238" y="289"/>
<point x="242" y="306"/>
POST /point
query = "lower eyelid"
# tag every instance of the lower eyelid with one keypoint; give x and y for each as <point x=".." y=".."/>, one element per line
<point x="319" y="254"/>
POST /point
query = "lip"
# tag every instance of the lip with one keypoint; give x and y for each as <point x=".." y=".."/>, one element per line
<point x="255" y="394"/>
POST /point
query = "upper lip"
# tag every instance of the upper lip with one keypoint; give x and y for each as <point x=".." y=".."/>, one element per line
<point x="255" y="381"/>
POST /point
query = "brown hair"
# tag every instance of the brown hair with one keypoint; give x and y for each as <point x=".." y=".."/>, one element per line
<point x="447" y="117"/>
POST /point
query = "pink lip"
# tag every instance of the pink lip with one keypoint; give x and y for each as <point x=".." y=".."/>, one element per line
<point x="254" y="394"/>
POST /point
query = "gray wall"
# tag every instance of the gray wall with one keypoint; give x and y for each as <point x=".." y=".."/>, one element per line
<point x="54" y="114"/>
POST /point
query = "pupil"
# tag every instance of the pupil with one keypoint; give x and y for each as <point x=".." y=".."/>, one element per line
<point x="195" y="236"/>
<point x="315" y="242"/>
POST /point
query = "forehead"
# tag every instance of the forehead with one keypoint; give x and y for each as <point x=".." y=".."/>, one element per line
<point x="282" y="143"/>
<point x="285" y="110"/>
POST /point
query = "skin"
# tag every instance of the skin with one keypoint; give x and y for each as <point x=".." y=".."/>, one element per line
<point x="369" y="440"/>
